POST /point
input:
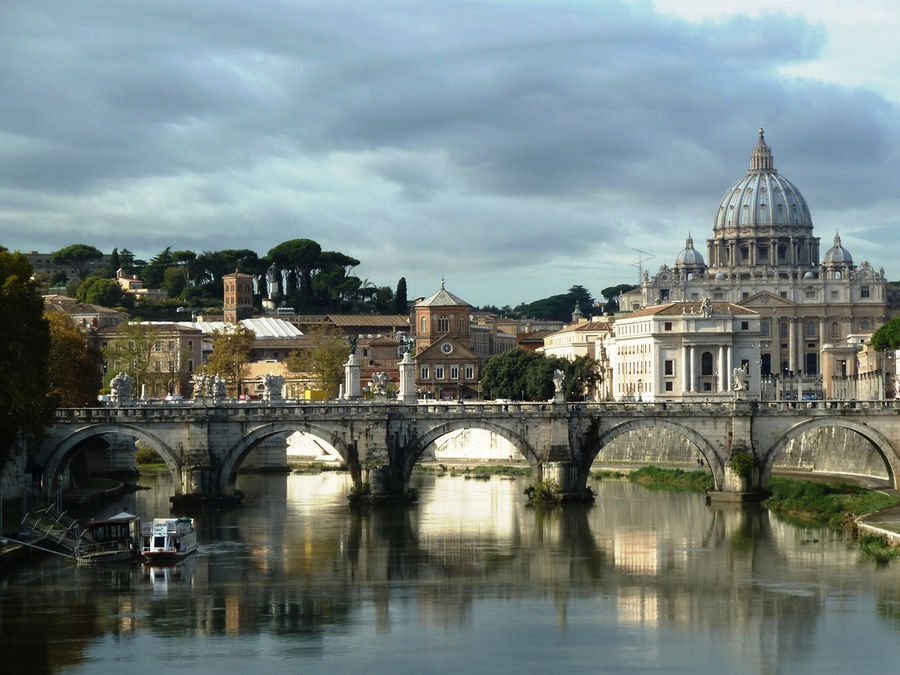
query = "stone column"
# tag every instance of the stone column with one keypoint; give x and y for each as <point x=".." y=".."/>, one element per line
<point x="407" y="380"/>
<point x="695" y="371"/>
<point x="722" y="383"/>
<point x="792" y="344"/>
<point x="685" y="382"/>
<point x="352" y="388"/>
<point x="729" y="366"/>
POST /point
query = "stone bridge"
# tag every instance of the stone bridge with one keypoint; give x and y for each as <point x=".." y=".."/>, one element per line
<point x="204" y="445"/>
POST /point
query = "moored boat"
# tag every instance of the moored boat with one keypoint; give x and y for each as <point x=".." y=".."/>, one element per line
<point x="167" y="539"/>
<point x="112" y="539"/>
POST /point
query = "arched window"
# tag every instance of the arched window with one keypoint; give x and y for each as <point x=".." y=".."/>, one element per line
<point x="443" y="324"/>
<point x="811" y="329"/>
<point x="835" y="330"/>
<point x="424" y="324"/>
<point x="706" y="363"/>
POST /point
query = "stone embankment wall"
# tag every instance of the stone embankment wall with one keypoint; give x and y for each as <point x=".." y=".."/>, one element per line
<point x="828" y="449"/>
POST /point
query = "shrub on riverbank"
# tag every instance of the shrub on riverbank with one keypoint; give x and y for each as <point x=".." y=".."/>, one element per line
<point x="878" y="548"/>
<point x="833" y="503"/>
<point x="544" y="493"/>
<point x="672" y="479"/>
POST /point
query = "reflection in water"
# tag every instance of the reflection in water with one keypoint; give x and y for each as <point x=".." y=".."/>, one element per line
<point x="468" y="576"/>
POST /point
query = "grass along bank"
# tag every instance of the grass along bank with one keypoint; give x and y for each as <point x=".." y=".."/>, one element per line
<point x="833" y="503"/>
<point x="672" y="479"/>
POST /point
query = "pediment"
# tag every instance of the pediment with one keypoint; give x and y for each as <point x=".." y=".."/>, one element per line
<point x="766" y="299"/>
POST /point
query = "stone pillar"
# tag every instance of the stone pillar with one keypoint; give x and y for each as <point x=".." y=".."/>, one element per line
<point x="792" y="344"/>
<point x="685" y="383"/>
<point x="722" y="383"/>
<point x="572" y="482"/>
<point x="695" y="371"/>
<point x="407" y="380"/>
<point x="729" y="367"/>
<point x="352" y="388"/>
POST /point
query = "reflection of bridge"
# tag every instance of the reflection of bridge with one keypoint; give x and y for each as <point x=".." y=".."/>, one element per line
<point x="204" y="445"/>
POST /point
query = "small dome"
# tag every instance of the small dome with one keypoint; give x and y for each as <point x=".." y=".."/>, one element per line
<point x="809" y="275"/>
<point x="837" y="254"/>
<point x="689" y="257"/>
<point x="720" y="276"/>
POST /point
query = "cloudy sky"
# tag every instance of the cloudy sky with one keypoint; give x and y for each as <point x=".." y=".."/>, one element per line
<point x="512" y="147"/>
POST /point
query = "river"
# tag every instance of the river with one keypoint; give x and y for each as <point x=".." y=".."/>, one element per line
<point x="468" y="580"/>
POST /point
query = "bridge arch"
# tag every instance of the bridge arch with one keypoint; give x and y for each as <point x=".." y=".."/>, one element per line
<point x="235" y="455"/>
<point x="449" y="426"/>
<point x="65" y="450"/>
<point x="881" y="444"/>
<point x="704" y="447"/>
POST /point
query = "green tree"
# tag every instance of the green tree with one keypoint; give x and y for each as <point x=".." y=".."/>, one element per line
<point x="522" y="375"/>
<point x="323" y="358"/>
<point x="24" y="352"/>
<point x="559" y="307"/>
<point x="611" y="294"/>
<point x="131" y="352"/>
<point x="74" y="367"/>
<point x="301" y="255"/>
<point x="232" y="347"/>
<point x="888" y="336"/>
<point x="401" y="303"/>
<point x="100" y="291"/>
<point x="76" y="255"/>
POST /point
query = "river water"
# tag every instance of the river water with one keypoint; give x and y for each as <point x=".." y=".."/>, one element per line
<point x="468" y="580"/>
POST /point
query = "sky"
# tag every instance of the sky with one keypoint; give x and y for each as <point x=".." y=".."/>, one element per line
<point x="512" y="148"/>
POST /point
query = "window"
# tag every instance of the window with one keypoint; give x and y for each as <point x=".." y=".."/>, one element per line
<point x="443" y="324"/>
<point x="190" y="365"/>
<point x="810" y="329"/>
<point x="764" y="328"/>
<point x="190" y="344"/>
<point x="784" y="329"/>
<point x="864" y="291"/>
<point x="424" y="373"/>
<point x="835" y="329"/>
<point x="834" y="295"/>
<point x="745" y="325"/>
<point x="783" y="294"/>
<point x="716" y="296"/>
<point x="745" y="295"/>
<point x="424" y="324"/>
<point x="669" y="386"/>
<point x="669" y="367"/>
<point x="706" y="363"/>
<point x="810" y="294"/>
<point x="470" y="372"/>
<point x="667" y="325"/>
<point x="664" y="294"/>
<point x="454" y="372"/>
<point x="439" y="372"/>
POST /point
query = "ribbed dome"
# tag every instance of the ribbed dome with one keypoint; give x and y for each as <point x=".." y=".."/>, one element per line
<point x="762" y="197"/>
<point x="689" y="257"/>
<point x="837" y="254"/>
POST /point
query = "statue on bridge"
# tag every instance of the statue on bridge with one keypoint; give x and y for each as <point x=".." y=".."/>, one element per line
<point x="739" y="379"/>
<point x="380" y="383"/>
<point x="272" y="385"/>
<point x="120" y="389"/>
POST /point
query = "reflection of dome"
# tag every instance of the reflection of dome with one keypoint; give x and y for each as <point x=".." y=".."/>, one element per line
<point x="689" y="257"/>
<point x="762" y="197"/>
<point x="837" y="254"/>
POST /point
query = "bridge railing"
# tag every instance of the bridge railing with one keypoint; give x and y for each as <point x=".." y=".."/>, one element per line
<point x="144" y="411"/>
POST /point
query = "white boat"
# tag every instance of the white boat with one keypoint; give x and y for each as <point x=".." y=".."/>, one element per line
<point x="167" y="539"/>
<point x="112" y="539"/>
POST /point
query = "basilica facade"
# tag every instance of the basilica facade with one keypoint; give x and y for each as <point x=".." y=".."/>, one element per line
<point x="763" y="256"/>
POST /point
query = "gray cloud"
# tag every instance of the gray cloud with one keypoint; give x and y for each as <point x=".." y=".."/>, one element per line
<point x="480" y="141"/>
